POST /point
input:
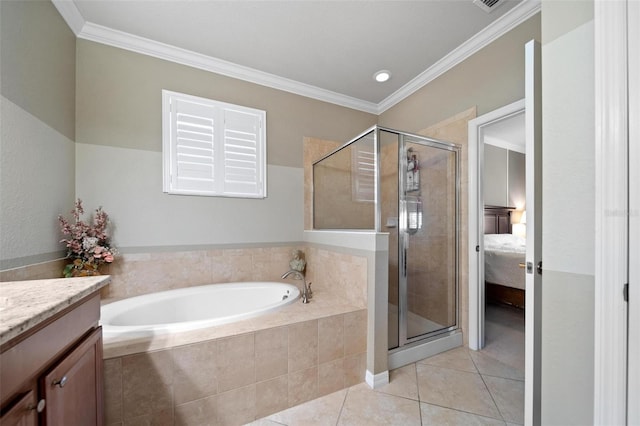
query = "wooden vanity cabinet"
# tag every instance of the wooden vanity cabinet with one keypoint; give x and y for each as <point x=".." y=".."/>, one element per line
<point x="53" y="376"/>
<point x="23" y="412"/>
<point x="72" y="389"/>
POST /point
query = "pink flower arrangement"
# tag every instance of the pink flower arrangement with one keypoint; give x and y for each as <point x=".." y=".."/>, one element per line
<point x="87" y="244"/>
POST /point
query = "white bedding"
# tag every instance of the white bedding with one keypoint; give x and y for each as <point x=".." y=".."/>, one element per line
<point x="502" y="255"/>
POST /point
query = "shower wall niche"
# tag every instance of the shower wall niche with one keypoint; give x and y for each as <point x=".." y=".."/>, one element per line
<point x="407" y="185"/>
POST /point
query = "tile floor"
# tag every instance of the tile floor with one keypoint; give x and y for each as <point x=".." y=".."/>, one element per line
<point x="458" y="387"/>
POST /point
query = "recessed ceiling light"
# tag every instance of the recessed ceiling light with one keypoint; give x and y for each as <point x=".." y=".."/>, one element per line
<point x="382" y="76"/>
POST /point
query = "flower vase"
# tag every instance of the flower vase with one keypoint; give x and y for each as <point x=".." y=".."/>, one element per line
<point x="86" y="270"/>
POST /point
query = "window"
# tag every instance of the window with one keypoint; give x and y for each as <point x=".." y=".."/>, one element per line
<point x="212" y="148"/>
<point x="363" y="169"/>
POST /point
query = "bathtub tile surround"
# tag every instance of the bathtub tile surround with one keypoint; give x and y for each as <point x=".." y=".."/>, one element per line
<point x="272" y="353"/>
<point x="187" y="359"/>
<point x="354" y="368"/>
<point x="235" y="373"/>
<point x="338" y="273"/>
<point x="236" y="362"/>
<point x="272" y="396"/>
<point x="146" y="378"/>
<point x="303" y="386"/>
<point x="331" y="339"/>
<point x="303" y="345"/>
<point x="141" y="273"/>
<point x="35" y="271"/>
<point x="355" y="340"/>
<point x="236" y="379"/>
<point x="331" y="377"/>
<point x="112" y="390"/>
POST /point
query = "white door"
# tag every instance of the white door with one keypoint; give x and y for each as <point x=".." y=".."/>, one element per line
<point x="617" y="323"/>
<point x="533" y="123"/>
<point x="633" y="384"/>
<point x="533" y="288"/>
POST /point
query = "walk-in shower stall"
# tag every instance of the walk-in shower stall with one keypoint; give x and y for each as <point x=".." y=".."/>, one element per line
<point x="407" y="185"/>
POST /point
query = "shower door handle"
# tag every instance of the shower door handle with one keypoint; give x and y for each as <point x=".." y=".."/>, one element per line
<point x="404" y="262"/>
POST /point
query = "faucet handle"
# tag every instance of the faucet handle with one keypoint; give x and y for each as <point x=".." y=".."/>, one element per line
<point x="309" y="292"/>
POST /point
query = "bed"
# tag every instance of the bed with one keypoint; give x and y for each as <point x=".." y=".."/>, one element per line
<point x="504" y="255"/>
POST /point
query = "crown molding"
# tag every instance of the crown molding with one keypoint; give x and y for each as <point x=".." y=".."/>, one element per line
<point x="71" y="14"/>
<point x="115" y="38"/>
<point x="100" y="34"/>
<point x="520" y="13"/>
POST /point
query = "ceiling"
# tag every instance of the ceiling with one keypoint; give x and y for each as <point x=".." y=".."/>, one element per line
<point x="324" y="49"/>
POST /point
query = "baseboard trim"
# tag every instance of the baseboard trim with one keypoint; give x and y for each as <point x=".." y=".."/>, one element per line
<point x="376" y="380"/>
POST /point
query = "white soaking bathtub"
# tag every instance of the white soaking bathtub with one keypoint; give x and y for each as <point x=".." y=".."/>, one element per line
<point x="192" y="308"/>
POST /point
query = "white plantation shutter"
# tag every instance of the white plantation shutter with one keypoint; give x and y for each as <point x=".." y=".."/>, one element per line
<point x="242" y="151"/>
<point x="363" y="173"/>
<point x="193" y="150"/>
<point x="212" y="148"/>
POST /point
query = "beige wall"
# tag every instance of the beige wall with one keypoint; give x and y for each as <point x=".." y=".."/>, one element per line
<point x="119" y="143"/>
<point x="37" y="132"/>
<point x="116" y="121"/>
<point x="119" y="104"/>
<point x="489" y="79"/>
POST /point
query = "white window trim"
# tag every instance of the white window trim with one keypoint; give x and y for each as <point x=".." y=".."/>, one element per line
<point x="221" y="181"/>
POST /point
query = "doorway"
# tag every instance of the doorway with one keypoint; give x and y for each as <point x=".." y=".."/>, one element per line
<point x="532" y="106"/>
<point x="487" y="128"/>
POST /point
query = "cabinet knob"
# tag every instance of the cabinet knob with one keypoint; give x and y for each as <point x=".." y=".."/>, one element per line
<point x="39" y="407"/>
<point x="60" y="382"/>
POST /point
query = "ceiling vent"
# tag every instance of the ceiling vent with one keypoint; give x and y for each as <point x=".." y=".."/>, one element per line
<point x="488" y="5"/>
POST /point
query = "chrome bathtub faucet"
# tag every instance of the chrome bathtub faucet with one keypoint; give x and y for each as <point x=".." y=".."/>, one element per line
<point x="306" y="288"/>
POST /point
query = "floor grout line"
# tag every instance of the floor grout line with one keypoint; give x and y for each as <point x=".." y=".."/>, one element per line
<point x="344" y="401"/>
<point x="463" y="411"/>
<point x="492" y="398"/>
<point x="415" y="368"/>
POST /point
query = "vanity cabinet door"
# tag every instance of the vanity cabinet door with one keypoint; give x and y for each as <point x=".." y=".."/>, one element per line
<point x="73" y="387"/>
<point x="23" y="413"/>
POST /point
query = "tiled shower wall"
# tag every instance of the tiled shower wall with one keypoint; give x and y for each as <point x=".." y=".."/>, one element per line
<point x="431" y="292"/>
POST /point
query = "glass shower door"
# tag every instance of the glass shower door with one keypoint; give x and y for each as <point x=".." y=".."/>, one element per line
<point x="428" y="239"/>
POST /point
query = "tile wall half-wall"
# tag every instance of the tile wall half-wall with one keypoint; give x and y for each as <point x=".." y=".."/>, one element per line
<point x="237" y="379"/>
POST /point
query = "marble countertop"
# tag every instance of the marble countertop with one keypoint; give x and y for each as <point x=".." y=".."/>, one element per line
<point x="25" y="304"/>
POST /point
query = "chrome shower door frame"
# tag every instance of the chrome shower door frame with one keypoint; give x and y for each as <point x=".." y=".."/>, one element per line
<point x="404" y="235"/>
